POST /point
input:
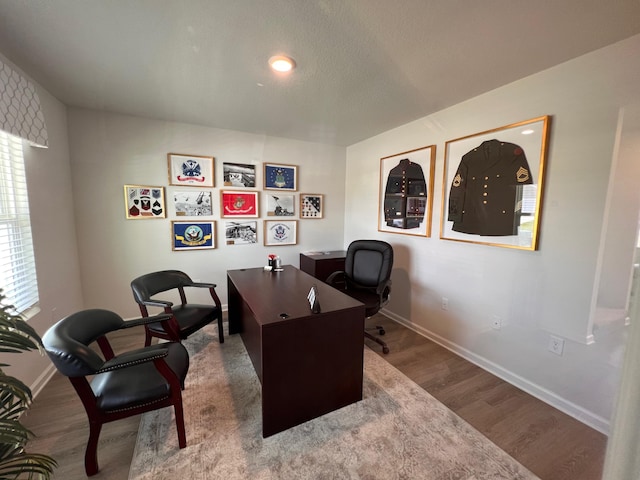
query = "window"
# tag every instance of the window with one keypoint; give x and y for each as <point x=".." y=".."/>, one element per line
<point x="17" y="262"/>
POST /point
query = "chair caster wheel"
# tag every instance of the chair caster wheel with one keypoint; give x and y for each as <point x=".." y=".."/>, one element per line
<point x="385" y="350"/>
<point x="381" y="331"/>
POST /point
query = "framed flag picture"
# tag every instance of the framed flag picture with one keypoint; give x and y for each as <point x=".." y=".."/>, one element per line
<point x="280" y="177"/>
<point x="280" y="232"/>
<point x="311" y="205"/>
<point x="235" y="203"/>
<point x="193" y="235"/>
<point x="143" y="202"/>
<point x="190" y="170"/>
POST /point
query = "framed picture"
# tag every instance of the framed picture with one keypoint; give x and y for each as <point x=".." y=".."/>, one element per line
<point x="192" y="203"/>
<point x="190" y="170"/>
<point x="193" y="235"/>
<point x="280" y="205"/>
<point x="493" y="184"/>
<point x="239" y="204"/>
<point x="239" y="175"/>
<point x="280" y="177"/>
<point x="406" y="192"/>
<point x="241" y="232"/>
<point x="143" y="202"/>
<point x="280" y="232"/>
<point x="311" y="205"/>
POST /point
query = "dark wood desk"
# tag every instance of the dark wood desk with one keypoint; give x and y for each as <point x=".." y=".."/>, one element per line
<point x="322" y="264"/>
<point x="308" y="364"/>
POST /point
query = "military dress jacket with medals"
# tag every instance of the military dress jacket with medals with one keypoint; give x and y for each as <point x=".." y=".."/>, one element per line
<point x="485" y="196"/>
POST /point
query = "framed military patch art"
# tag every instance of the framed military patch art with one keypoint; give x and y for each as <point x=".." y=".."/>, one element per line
<point x="143" y="202"/>
<point x="190" y="170"/>
<point x="493" y="184"/>
<point x="406" y="192"/>
<point x="311" y="205"/>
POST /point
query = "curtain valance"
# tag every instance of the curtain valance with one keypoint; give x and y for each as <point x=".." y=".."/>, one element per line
<point x="20" y="112"/>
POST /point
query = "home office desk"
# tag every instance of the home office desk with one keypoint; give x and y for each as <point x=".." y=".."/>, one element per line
<point x="308" y="364"/>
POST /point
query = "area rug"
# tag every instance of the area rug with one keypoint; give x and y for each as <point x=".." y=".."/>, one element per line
<point x="398" y="430"/>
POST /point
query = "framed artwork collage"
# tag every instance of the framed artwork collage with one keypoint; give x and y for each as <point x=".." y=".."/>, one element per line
<point x="492" y="187"/>
<point x="191" y="199"/>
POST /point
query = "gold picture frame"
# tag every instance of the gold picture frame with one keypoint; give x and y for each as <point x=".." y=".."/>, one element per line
<point x="493" y="184"/>
<point x="406" y="192"/>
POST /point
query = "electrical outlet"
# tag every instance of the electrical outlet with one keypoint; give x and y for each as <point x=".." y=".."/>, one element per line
<point x="496" y="322"/>
<point x="445" y="303"/>
<point x="556" y="344"/>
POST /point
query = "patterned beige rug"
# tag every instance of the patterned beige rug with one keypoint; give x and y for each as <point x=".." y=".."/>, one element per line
<point x="398" y="431"/>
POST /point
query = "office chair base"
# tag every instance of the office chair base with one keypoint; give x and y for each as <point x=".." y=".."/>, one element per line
<point x="385" y="348"/>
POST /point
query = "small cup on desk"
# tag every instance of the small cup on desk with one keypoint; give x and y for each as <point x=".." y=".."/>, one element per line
<point x="277" y="266"/>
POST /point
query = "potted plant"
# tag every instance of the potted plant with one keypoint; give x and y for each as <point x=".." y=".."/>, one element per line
<point x="17" y="336"/>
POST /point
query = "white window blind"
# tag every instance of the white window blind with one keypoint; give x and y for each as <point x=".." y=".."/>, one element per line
<point x="17" y="262"/>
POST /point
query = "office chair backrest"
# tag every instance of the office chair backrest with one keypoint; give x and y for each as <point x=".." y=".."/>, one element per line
<point x="67" y="342"/>
<point x="369" y="262"/>
<point x="148" y="285"/>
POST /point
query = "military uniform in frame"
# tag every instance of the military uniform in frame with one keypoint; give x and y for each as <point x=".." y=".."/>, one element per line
<point x="486" y="192"/>
<point x="405" y="195"/>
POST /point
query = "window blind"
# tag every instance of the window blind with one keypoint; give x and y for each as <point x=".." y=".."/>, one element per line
<point x="17" y="263"/>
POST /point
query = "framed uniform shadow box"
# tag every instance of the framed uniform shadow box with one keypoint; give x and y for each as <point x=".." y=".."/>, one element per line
<point x="406" y="192"/>
<point x="493" y="185"/>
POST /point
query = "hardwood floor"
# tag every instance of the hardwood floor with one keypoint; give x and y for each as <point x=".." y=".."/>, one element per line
<point x="548" y="442"/>
<point x="551" y="444"/>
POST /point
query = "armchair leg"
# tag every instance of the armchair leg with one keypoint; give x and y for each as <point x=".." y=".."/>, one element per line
<point x="182" y="437"/>
<point x="147" y="337"/>
<point x="91" y="454"/>
<point x="220" y="329"/>
<point x="385" y="348"/>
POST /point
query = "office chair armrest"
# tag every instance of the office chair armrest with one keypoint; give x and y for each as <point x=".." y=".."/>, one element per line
<point x="135" y="357"/>
<point x="336" y="277"/>
<point x="157" y="303"/>
<point x="202" y="285"/>
<point x="384" y="286"/>
<point x="135" y="322"/>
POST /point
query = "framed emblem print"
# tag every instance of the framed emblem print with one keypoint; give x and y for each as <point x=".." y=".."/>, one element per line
<point x="311" y="205"/>
<point x="280" y="177"/>
<point x="406" y="192"/>
<point x="190" y="170"/>
<point x="280" y="232"/>
<point x="235" y="203"/>
<point x="193" y="235"/>
<point x="493" y="184"/>
<point x="142" y="202"/>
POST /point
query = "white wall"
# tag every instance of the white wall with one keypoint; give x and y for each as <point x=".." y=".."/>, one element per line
<point x="549" y="291"/>
<point x="54" y="237"/>
<point x="109" y="151"/>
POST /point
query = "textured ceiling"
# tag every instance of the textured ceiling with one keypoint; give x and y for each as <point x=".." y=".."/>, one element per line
<point x="364" y="66"/>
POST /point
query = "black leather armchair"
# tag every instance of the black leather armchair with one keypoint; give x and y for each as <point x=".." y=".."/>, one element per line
<point x="116" y="387"/>
<point x="187" y="318"/>
<point x="367" y="278"/>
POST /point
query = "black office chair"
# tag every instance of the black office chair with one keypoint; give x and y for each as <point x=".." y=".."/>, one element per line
<point x="187" y="317"/>
<point x="116" y="387"/>
<point x="367" y="278"/>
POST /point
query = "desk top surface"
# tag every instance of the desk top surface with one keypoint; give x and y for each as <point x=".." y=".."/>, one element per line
<point x="325" y="255"/>
<point x="269" y="294"/>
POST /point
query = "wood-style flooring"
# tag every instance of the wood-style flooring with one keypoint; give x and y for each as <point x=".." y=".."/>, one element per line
<point x="551" y="444"/>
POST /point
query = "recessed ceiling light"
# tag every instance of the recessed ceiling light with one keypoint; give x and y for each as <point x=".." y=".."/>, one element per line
<point x="527" y="132"/>
<point x="280" y="63"/>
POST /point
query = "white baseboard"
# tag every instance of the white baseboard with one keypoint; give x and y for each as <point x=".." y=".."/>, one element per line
<point x="588" y="418"/>
<point x="42" y="380"/>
